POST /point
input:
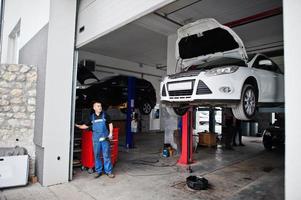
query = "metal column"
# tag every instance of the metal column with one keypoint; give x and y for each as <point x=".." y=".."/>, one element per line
<point x="186" y="156"/>
<point x="130" y="110"/>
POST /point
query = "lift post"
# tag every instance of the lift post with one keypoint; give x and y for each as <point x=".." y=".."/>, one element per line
<point x="186" y="156"/>
<point x="130" y="109"/>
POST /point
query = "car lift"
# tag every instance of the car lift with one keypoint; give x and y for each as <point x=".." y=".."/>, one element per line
<point x="186" y="155"/>
<point x="130" y="109"/>
<point x="187" y="134"/>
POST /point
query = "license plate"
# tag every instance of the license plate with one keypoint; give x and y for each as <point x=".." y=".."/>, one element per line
<point x="180" y="86"/>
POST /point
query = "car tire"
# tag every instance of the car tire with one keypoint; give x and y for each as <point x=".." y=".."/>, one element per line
<point x="197" y="183"/>
<point x="180" y="110"/>
<point x="145" y="108"/>
<point x="267" y="142"/>
<point x="246" y="108"/>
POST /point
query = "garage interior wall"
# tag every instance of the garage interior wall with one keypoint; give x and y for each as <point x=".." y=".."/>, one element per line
<point x="171" y="58"/>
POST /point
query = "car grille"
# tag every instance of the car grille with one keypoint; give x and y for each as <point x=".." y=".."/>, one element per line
<point x="185" y="74"/>
<point x="180" y="93"/>
<point x="202" y="88"/>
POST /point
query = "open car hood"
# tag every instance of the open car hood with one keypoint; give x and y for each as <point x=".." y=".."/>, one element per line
<point x="206" y="39"/>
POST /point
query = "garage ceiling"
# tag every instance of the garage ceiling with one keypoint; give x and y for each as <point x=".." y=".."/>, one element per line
<point x="145" y="40"/>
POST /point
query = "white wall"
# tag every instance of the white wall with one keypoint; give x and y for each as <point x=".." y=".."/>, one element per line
<point x="58" y="87"/>
<point x="34" y="15"/>
<point x="171" y="56"/>
<point x="155" y="123"/>
<point x="292" y="49"/>
<point x="279" y="60"/>
<point x="100" y="17"/>
<point x="168" y="117"/>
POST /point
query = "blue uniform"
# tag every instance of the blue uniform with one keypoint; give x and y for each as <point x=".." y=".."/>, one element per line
<point x="100" y="131"/>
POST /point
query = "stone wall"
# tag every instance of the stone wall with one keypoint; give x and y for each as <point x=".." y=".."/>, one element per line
<point x="17" y="108"/>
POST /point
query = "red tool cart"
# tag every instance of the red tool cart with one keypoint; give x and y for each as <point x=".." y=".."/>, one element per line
<point x="87" y="154"/>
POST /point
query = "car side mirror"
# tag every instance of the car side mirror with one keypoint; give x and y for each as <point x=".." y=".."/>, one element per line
<point x="265" y="62"/>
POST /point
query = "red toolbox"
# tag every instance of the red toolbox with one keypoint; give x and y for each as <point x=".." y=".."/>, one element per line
<point x="114" y="146"/>
<point x="87" y="154"/>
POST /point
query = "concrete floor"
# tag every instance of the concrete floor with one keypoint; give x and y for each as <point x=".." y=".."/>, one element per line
<point x="247" y="172"/>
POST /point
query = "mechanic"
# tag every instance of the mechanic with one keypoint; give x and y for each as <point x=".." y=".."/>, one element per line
<point x="227" y="133"/>
<point x="238" y="131"/>
<point x="102" y="128"/>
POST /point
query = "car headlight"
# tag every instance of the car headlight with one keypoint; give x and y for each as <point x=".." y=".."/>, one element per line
<point x="221" y="70"/>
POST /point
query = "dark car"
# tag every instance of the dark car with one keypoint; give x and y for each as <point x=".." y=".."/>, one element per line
<point x="274" y="136"/>
<point x="113" y="91"/>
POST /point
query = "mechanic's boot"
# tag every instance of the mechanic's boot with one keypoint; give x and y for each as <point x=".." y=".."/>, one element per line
<point x="111" y="175"/>
<point x="97" y="175"/>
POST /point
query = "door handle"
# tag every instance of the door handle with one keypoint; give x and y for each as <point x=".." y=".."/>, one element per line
<point x="1" y="159"/>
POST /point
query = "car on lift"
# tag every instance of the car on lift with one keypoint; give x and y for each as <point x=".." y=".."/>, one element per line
<point x="216" y="71"/>
<point x="113" y="91"/>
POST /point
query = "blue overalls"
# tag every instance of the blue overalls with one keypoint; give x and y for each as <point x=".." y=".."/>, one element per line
<point x="100" y="131"/>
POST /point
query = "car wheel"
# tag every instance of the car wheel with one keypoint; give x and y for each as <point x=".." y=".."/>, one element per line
<point x="246" y="108"/>
<point x="180" y="110"/>
<point x="145" y="108"/>
<point x="267" y="141"/>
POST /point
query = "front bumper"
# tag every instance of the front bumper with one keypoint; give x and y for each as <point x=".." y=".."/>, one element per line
<point x="201" y="90"/>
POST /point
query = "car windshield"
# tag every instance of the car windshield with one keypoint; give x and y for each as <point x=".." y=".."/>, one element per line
<point x="220" y="62"/>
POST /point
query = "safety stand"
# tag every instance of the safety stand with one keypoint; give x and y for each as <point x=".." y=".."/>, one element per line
<point x="186" y="156"/>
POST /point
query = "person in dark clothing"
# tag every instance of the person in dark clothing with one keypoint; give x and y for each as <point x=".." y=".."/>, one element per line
<point x="227" y="133"/>
<point x="238" y="132"/>
<point x="102" y="129"/>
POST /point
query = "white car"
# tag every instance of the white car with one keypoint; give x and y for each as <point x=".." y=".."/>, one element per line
<point x="216" y="72"/>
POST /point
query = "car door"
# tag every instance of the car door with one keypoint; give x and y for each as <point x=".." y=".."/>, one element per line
<point x="270" y="78"/>
<point x="116" y="87"/>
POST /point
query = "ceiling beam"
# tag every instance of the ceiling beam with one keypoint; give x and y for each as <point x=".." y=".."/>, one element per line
<point x="235" y="23"/>
<point x="168" y="19"/>
<point x="176" y="10"/>
<point x="256" y="17"/>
